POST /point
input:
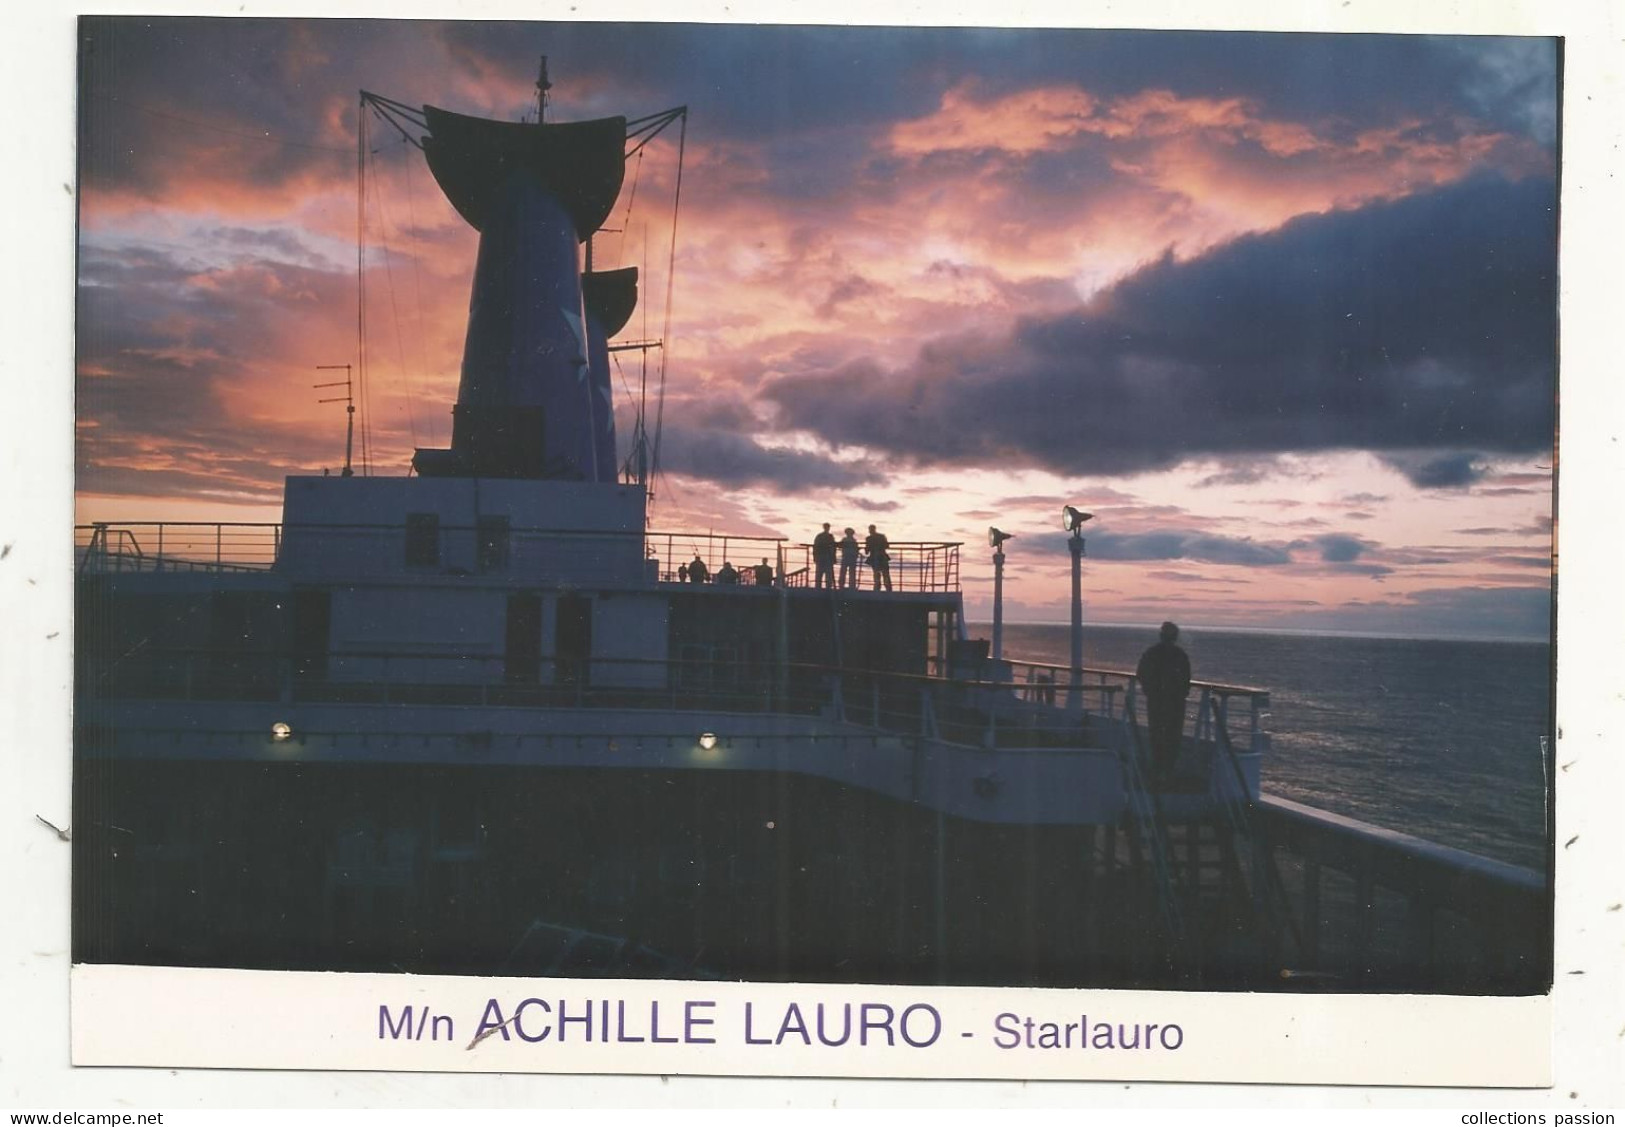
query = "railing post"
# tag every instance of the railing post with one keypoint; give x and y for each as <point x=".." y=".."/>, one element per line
<point x="217" y="529"/>
<point x="1258" y="741"/>
<point x="928" y="714"/>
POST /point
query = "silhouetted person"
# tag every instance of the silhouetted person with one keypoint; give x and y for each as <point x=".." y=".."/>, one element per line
<point x="726" y="575"/>
<point x="849" y="560"/>
<point x="879" y="552"/>
<point x="823" y="549"/>
<point x="697" y="571"/>
<point x="764" y="573"/>
<point x="1164" y="673"/>
<point x="682" y="573"/>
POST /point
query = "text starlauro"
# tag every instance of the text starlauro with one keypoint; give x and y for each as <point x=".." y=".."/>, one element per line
<point x="704" y="1022"/>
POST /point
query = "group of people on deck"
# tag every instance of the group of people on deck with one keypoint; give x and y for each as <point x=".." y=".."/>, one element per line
<point x="695" y="571"/>
<point x="825" y="549"/>
<point x="875" y="549"/>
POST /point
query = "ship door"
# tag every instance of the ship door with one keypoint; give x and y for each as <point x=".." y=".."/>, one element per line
<point x="312" y="617"/>
<point x="572" y="640"/>
<point x="523" y="650"/>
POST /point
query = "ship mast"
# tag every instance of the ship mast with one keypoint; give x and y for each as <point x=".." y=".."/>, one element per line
<point x="542" y="87"/>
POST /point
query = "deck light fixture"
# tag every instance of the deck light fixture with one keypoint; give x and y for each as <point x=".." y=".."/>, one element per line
<point x="708" y="740"/>
<point x="1072" y="519"/>
<point x="996" y="539"/>
<point x="280" y="732"/>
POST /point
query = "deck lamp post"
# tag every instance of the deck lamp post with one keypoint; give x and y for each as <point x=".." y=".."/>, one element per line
<point x="996" y="540"/>
<point x="1072" y="519"/>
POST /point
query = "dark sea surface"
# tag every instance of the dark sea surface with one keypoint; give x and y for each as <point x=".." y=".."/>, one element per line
<point x="1440" y="739"/>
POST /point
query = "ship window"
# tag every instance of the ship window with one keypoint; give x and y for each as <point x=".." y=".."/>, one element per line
<point x="422" y="540"/>
<point x="493" y="542"/>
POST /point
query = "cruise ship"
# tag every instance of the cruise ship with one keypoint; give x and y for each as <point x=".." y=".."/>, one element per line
<point x="484" y="719"/>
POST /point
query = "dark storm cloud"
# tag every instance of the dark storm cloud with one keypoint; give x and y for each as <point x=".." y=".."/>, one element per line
<point x="729" y="458"/>
<point x="1343" y="554"/>
<point x="145" y="80"/>
<point x="1444" y="471"/>
<point x="159" y="98"/>
<point x="1205" y="547"/>
<point x="1337" y="547"/>
<point x="1422" y="325"/>
<point x="756" y="80"/>
<point x="160" y="347"/>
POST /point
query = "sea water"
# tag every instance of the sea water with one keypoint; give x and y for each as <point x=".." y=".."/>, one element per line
<point x="1442" y="739"/>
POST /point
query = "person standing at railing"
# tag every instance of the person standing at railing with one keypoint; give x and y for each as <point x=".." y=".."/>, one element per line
<point x="879" y="551"/>
<point x="1164" y="674"/>
<point x="697" y="571"/>
<point x="726" y="575"/>
<point x="764" y="573"/>
<point x="823" y="551"/>
<point x="849" y="560"/>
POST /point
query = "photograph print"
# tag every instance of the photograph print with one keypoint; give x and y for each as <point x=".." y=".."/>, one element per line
<point x="975" y="507"/>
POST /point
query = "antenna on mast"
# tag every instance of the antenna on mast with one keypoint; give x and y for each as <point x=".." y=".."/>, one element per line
<point x="542" y="87"/>
<point x="348" y="399"/>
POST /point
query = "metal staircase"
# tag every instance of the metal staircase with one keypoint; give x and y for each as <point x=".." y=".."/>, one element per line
<point x="1148" y="836"/>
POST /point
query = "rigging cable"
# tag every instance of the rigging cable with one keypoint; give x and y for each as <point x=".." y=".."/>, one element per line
<point x="626" y="220"/>
<point x="361" y="268"/>
<point x="671" y="267"/>
<point x="394" y="308"/>
<point x="417" y="285"/>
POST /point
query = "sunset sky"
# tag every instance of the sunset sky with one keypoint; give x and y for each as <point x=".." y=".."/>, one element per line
<point x="1279" y="309"/>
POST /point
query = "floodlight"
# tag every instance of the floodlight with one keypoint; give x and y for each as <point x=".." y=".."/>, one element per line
<point x="1072" y="518"/>
<point x="995" y="538"/>
<point x="708" y="740"/>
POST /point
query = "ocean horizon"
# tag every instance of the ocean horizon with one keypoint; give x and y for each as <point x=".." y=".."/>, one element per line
<point x="1447" y="739"/>
<point x="1290" y="631"/>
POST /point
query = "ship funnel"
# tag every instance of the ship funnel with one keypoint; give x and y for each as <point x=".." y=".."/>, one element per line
<point x="534" y="397"/>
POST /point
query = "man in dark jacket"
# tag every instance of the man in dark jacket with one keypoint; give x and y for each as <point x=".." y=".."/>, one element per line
<point x="878" y="549"/>
<point x="823" y="552"/>
<point x="1165" y="678"/>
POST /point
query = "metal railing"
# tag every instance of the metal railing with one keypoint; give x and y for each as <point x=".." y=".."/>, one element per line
<point x="965" y="708"/>
<point x="136" y="546"/>
<point x="914" y="565"/>
<point x="220" y="546"/>
<point x="1375" y="904"/>
<point x="676" y="551"/>
<point x="911" y="565"/>
<point x="1208" y="711"/>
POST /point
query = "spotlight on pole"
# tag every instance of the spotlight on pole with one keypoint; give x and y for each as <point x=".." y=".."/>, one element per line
<point x="1072" y="519"/>
<point x="995" y="540"/>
